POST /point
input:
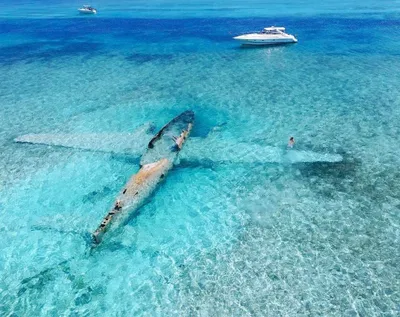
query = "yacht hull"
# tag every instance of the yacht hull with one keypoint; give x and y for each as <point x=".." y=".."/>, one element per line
<point x="268" y="36"/>
<point x="83" y="11"/>
<point x="250" y="42"/>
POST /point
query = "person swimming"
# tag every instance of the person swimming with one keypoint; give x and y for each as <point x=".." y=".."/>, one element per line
<point x="291" y="142"/>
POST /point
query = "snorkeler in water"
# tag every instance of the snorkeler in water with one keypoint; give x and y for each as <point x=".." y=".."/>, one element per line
<point x="291" y="142"/>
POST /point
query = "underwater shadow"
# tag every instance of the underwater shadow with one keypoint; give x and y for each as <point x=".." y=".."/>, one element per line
<point x="46" y="51"/>
<point x="144" y="58"/>
<point x="341" y="175"/>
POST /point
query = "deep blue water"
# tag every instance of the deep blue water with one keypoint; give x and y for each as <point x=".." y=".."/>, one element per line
<point x="238" y="238"/>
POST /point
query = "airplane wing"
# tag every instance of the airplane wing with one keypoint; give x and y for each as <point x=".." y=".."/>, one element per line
<point x="133" y="143"/>
<point x="212" y="149"/>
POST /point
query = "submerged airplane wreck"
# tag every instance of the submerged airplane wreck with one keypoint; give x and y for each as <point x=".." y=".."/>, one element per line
<point x="160" y="154"/>
<point x="158" y="159"/>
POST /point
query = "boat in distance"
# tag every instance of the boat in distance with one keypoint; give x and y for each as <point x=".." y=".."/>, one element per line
<point x="87" y="9"/>
<point x="267" y="36"/>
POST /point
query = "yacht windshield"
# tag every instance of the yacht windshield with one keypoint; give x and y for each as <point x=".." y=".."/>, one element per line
<point x="270" y="31"/>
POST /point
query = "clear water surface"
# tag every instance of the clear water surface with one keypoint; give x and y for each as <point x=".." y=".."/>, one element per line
<point x="216" y="239"/>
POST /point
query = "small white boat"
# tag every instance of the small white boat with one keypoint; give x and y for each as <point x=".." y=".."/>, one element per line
<point x="87" y="9"/>
<point x="268" y="36"/>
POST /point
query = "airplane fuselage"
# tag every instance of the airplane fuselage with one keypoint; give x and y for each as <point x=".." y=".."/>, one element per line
<point x="155" y="163"/>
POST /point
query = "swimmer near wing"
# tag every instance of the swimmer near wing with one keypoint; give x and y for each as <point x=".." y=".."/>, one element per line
<point x="155" y="163"/>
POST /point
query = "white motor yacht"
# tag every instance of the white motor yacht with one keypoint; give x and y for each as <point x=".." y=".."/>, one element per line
<point x="268" y="36"/>
<point x="87" y="9"/>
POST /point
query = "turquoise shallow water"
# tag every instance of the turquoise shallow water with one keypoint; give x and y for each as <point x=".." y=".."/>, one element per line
<point x="216" y="239"/>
